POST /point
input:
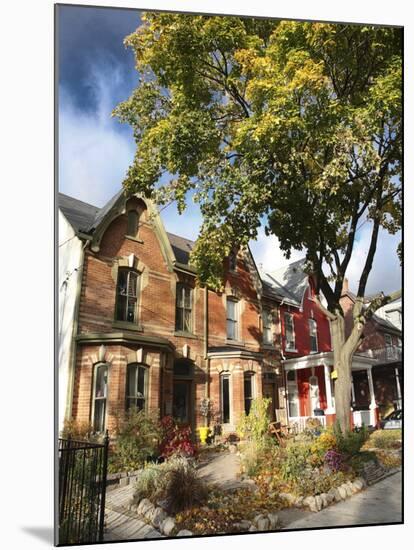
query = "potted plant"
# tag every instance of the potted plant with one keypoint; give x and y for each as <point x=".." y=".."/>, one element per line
<point x="204" y="430"/>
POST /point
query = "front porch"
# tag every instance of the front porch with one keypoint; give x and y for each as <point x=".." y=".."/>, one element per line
<point x="310" y="390"/>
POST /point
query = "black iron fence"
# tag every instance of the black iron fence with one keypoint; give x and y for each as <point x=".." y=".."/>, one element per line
<point x="82" y="485"/>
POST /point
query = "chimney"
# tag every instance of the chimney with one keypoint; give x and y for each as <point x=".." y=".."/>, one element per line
<point x="345" y="286"/>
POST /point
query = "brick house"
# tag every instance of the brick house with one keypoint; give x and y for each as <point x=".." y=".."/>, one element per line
<point x="145" y="335"/>
<point x="383" y="344"/>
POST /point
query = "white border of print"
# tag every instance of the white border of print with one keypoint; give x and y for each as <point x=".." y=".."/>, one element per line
<point x="27" y="236"/>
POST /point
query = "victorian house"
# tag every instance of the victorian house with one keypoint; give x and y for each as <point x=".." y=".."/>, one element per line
<point x="144" y="335"/>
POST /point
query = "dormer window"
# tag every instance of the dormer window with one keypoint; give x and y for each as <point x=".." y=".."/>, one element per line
<point x="132" y="226"/>
<point x="127" y="295"/>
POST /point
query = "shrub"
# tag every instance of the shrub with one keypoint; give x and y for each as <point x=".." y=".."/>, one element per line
<point x="255" y="425"/>
<point x="138" y="435"/>
<point x="350" y="443"/>
<point x="254" y="455"/>
<point x="175" y="440"/>
<point x="175" y="482"/>
<point x="296" y="462"/>
<point x="385" y="439"/>
<point x="324" y="443"/>
<point x="316" y="482"/>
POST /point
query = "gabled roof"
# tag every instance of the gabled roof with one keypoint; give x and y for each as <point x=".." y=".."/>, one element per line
<point x="289" y="282"/>
<point x="86" y="218"/>
<point x="181" y="247"/>
<point x="78" y="213"/>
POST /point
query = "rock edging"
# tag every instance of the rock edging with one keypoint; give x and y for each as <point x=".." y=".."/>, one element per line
<point x="315" y="503"/>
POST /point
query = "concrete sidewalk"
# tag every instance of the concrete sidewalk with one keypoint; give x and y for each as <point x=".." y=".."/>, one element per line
<point x="380" y="503"/>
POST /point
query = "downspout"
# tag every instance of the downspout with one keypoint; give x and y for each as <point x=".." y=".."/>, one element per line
<point x="206" y="358"/>
<point x="72" y="353"/>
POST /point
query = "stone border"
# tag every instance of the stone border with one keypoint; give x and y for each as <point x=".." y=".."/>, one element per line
<point x="160" y="520"/>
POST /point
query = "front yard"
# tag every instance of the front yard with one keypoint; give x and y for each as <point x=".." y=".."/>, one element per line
<point x="308" y="471"/>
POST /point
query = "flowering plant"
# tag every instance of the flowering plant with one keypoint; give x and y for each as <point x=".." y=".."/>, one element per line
<point x="333" y="460"/>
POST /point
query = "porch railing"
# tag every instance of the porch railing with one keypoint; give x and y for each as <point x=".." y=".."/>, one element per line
<point x="299" y="422"/>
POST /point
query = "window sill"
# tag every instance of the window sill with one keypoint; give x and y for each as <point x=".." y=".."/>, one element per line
<point x="129" y="237"/>
<point x="291" y="351"/>
<point x="234" y="342"/>
<point x="183" y="334"/>
<point x="127" y="325"/>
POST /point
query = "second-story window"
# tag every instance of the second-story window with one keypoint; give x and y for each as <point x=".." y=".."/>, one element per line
<point x="127" y="296"/>
<point x="232" y="319"/>
<point x="289" y="332"/>
<point x="313" y="333"/>
<point x="183" y="309"/>
<point x="267" y="327"/>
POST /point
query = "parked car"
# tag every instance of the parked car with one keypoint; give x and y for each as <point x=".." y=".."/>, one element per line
<point x="392" y="420"/>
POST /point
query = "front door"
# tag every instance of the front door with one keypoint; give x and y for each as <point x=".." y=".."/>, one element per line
<point x="182" y="401"/>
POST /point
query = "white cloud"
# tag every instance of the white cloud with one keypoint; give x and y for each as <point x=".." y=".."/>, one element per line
<point x="267" y="253"/>
<point x="93" y="156"/>
<point x="386" y="271"/>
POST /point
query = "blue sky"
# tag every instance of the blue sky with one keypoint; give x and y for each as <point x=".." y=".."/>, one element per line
<point x="96" y="72"/>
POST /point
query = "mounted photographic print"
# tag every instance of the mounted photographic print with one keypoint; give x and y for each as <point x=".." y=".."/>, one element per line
<point x="229" y="326"/>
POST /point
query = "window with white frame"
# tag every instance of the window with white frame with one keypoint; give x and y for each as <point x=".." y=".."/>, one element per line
<point x="289" y="332"/>
<point x="267" y="326"/>
<point x="183" y="309"/>
<point x="127" y="295"/>
<point x="100" y="389"/>
<point x="313" y="333"/>
<point x="225" y="397"/>
<point x="136" y="390"/>
<point x="232" y="319"/>
<point x="292" y="394"/>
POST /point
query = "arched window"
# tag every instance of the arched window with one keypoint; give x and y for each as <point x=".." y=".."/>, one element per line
<point x="132" y="226"/>
<point x="136" y="390"/>
<point x="100" y="388"/>
<point x="127" y="295"/>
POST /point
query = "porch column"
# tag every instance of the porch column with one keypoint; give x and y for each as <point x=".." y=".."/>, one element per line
<point x="399" y="394"/>
<point x="373" y="403"/>
<point x="352" y="390"/>
<point x="328" y="390"/>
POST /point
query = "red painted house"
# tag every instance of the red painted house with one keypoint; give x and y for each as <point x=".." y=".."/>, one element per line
<point x="307" y="355"/>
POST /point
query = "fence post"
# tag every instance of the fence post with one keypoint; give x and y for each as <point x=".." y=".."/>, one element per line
<point x="103" y="494"/>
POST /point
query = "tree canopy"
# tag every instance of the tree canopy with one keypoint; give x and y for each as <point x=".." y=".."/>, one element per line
<point x="295" y="123"/>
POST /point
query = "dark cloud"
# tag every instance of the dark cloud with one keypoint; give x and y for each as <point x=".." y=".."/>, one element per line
<point x="89" y="37"/>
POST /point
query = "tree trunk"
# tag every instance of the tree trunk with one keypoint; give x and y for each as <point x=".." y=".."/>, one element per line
<point x="342" y="365"/>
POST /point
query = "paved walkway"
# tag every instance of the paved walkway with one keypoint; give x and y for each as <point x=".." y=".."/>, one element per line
<point x="380" y="503"/>
<point x="223" y="469"/>
<point x="120" y="523"/>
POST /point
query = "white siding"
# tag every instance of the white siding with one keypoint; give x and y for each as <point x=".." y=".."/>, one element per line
<point x="69" y="259"/>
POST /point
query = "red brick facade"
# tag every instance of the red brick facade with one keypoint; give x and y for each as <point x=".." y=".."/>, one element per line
<point x="152" y="339"/>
